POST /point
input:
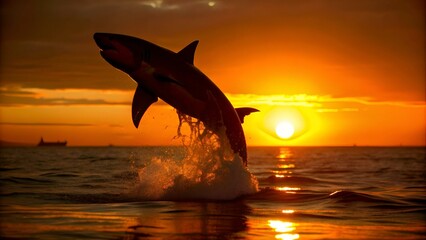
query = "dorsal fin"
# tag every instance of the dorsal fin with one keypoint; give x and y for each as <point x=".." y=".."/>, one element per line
<point x="187" y="53"/>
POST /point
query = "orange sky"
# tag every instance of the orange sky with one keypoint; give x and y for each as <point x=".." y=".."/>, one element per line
<point x="342" y="72"/>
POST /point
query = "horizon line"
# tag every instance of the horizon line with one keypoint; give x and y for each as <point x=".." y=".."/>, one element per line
<point x="22" y="144"/>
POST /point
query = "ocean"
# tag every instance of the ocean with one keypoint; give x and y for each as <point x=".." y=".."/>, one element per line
<point x="157" y="193"/>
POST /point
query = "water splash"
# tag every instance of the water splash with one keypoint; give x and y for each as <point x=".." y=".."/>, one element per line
<point x="209" y="169"/>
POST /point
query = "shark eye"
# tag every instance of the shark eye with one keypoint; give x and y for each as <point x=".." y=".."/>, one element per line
<point x="146" y="56"/>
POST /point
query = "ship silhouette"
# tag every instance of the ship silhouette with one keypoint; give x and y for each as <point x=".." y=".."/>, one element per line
<point x="42" y="143"/>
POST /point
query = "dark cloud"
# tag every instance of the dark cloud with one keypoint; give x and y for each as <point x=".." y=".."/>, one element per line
<point x="14" y="92"/>
<point x="21" y="97"/>
<point x="48" y="124"/>
<point x="7" y="100"/>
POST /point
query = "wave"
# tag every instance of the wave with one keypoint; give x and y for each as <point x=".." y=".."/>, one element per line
<point x="61" y="175"/>
<point x="102" y="159"/>
<point x="290" y="180"/>
<point x="26" y="180"/>
<point x="343" y="196"/>
<point x="168" y="179"/>
<point x="375" y="201"/>
<point x="6" y="169"/>
<point x="209" y="169"/>
<point x="127" y="175"/>
<point x="268" y="194"/>
<point x="335" y="199"/>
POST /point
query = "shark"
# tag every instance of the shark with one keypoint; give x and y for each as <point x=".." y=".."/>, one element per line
<point x="172" y="77"/>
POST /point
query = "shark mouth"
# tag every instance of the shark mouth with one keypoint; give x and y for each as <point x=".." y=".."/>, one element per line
<point x="104" y="42"/>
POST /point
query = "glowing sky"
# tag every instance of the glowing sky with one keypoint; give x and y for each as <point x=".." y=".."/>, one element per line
<point x="343" y="72"/>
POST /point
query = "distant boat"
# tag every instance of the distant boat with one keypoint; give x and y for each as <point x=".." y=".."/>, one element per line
<point x="42" y="143"/>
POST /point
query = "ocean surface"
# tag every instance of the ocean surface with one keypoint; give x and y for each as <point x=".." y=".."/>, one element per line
<point x="157" y="193"/>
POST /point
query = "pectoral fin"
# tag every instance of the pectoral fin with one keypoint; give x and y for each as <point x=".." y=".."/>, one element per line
<point x="242" y="112"/>
<point x="141" y="101"/>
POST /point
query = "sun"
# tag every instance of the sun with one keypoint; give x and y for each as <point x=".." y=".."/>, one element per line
<point x="285" y="123"/>
<point x="284" y="130"/>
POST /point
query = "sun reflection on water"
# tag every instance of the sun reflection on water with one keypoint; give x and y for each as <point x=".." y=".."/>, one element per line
<point x="282" y="171"/>
<point x="285" y="166"/>
<point x="285" y="163"/>
<point x="288" y="189"/>
<point x="285" y="229"/>
<point x="287" y="236"/>
<point x="284" y="154"/>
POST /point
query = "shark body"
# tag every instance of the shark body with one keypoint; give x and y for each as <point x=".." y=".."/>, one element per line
<point x="172" y="77"/>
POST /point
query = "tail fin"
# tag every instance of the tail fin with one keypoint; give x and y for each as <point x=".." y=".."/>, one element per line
<point x="244" y="111"/>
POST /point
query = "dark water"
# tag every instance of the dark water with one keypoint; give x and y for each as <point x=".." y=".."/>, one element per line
<point x="130" y="193"/>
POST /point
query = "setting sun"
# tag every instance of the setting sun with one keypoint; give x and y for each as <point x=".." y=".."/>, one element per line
<point x="284" y="130"/>
<point x="285" y="123"/>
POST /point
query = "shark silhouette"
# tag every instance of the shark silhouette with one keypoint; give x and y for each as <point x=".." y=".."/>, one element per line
<point x="161" y="73"/>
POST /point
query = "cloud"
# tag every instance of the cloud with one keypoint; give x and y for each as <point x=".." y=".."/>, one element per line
<point x="15" y="97"/>
<point x="48" y="124"/>
<point x="335" y="110"/>
<point x="18" y="97"/>
<point x="373" y="43"/>
<point x="318" y="102"/>
<point x="160" y="4"/>
<point x="15" y="92"/>
<point x="29" y="101"/>
<point x="42" y="97"/>
<point x="177" y="4"/>
<point x="57" y="124"/>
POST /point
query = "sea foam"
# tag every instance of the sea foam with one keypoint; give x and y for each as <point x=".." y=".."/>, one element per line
<point x="209" y="169"/>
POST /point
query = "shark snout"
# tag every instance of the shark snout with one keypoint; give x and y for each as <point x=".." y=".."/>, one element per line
<point x="115" y="50"/>
<point x="104" y="41"/>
